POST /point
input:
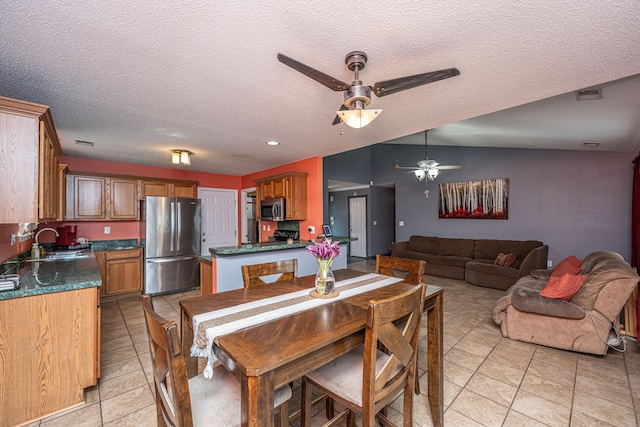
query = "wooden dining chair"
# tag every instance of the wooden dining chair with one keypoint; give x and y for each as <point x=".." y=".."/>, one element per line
<point x="411" y="270"/>
<point x="198" y="401"/>
<point x="367" y="379"/>
<point x="252" y="274"/>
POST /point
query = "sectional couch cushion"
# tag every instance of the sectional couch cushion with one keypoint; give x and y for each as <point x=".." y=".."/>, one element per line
<point x="423" y="244"/>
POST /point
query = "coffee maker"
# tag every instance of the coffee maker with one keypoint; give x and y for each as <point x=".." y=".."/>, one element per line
<point x="67" y="236"/>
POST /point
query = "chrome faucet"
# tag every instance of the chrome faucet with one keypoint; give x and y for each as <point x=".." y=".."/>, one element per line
<point x="38" y="233"/>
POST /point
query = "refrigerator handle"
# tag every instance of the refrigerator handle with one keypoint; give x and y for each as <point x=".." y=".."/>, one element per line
<point x="179" y="225"/>
<point x="173" y="225"/>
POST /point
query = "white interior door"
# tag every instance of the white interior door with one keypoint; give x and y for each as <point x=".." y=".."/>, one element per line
<point x="358" y="226"/>
<point x="219" y="218"/>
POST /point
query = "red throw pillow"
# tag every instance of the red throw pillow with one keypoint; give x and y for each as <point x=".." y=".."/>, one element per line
<point x="563" y="286"/>
<point x="508" y="260"/>
<point x="570" y="265"/>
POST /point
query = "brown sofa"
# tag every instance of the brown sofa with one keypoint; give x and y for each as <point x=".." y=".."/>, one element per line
<point x="582" y="324"/>
<point x="473" y="260"/>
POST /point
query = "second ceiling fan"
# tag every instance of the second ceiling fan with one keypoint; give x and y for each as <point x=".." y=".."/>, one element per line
<point x="357" y="96"/>
<point x="427" y="168"/>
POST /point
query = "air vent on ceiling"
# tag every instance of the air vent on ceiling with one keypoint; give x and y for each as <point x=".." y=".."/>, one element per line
<point x="591" y="144"/>
<point x="84" y="143"/>
<point x="588" y="94"/>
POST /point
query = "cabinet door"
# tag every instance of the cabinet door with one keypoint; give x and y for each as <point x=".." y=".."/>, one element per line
<point x="48" y="177"/>
<point x="123" y="271"/>
<point x="266" y="190"/>
<point x="280" y="187"/>
<point x="62" y="193"/>
<point x="19" y="165"/>
<point x="154" y="188"/>
<point x="89" y="198"/>
<point x="124" y="199"/>
<point x="184" y="190"/>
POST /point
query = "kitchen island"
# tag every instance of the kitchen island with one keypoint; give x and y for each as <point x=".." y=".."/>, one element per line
<point x="226" y="262"/>
<point x="49" y="338"/>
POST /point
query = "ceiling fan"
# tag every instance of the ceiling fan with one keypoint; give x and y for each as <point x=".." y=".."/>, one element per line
<point x="427" y="168"/>
<point x="357" y="95"/>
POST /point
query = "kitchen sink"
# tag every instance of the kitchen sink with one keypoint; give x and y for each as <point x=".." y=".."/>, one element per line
<point x="62" y="256"/>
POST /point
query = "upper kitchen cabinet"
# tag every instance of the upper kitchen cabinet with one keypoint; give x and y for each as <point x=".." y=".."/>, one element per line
<point x="29" y="150"/>
<point x="105" y="197"/>
<point x="168" y="188"/>
<point x="96" y="197"/>
<point x="292" y="187"/>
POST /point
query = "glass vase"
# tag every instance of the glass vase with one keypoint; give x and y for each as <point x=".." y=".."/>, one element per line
<point x="325" y="280"/>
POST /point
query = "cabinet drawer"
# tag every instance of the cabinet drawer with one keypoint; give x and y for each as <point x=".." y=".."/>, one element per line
<point x="122" y="254"/>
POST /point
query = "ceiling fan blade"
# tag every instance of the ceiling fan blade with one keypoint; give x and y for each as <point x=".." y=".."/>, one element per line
<point x="338" y="120"/>
<point x="450" y="167"/>
<point x="397" y="166"/>
<point x="388" y="87"/>
<point x="319" y="76"/>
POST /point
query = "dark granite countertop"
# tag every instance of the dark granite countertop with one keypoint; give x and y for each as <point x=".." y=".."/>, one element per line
<point x="45" y="277"/>
<point x="269" y="246"/>
<point x="114" y="245"/>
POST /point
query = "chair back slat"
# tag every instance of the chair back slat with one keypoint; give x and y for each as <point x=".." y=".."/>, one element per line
<point x="252" y="274"/>
<point x="411" y="270"/>
<point x="392" y="324"/>
<point x="173" y="403"/>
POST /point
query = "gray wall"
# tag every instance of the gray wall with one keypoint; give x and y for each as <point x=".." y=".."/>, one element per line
<point x="380" y="216"/>
<point x="574" y="201"/>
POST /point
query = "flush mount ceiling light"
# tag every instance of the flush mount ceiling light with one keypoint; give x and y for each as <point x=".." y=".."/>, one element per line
<point x="181" y="157"/>
<point x="273" y="143"/>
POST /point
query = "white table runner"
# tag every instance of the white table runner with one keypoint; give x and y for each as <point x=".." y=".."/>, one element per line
<point x="208" y="326"/>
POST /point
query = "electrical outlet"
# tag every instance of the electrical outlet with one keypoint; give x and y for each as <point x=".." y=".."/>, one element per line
<point x="107" y="230"/>
<point x="549" y="263"/>
<point x="264" y="227"/>
<point x="400" y="223"/>
<point x="268" y="227"/>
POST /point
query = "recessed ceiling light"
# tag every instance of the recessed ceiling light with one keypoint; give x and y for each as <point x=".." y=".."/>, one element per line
<point x="273" y="143"/>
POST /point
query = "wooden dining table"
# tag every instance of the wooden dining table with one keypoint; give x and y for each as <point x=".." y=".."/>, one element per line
<point x="270" y="355"/>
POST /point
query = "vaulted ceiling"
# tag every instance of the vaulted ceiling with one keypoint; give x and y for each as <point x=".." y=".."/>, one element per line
<point x="140" y="79"/>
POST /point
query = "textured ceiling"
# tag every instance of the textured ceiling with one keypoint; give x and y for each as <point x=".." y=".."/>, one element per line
<point x="142" y="78"/>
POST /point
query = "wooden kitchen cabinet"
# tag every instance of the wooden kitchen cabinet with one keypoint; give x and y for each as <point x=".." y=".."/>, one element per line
<point x="29" y="152"/>
<point x="169" y="189"/>
<point x="123" y="201"/>
<point x="121" y="271"/>
<point x="86" y="198"/>
<point x="49" y="353"/>
<point x="292" y="187"/>
<point x="102" y="197"/>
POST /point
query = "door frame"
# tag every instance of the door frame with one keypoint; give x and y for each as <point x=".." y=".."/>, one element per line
<point x="366" y="222"/>
<point x="243" y="212"/>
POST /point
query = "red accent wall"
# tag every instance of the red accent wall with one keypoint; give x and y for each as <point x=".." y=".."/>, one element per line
<point x="313" y="166"/>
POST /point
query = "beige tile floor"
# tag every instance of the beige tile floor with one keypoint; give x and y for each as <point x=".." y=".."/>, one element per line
<point x="489" y="380"/>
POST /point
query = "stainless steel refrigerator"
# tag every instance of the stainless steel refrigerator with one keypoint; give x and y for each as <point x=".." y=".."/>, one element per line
<point x="170" y="229"/>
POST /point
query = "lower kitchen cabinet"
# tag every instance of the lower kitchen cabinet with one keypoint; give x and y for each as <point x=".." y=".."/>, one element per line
<point x="49" y="350"/>
<point x="121" y="271"/>
<point x="206" y="278"/>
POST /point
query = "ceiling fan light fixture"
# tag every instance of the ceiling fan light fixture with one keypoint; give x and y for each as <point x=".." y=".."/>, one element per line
<point x="420" y="174"/>
<point x="358" y="118"/>
<point x="432" y="173"/>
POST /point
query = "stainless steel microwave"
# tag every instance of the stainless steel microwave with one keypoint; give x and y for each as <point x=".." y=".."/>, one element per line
<point x="272" y="210"/>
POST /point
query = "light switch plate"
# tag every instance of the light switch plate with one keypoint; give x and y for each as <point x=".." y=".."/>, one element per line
<point x="400" y="223"/>
<point x="107" y="230"/>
